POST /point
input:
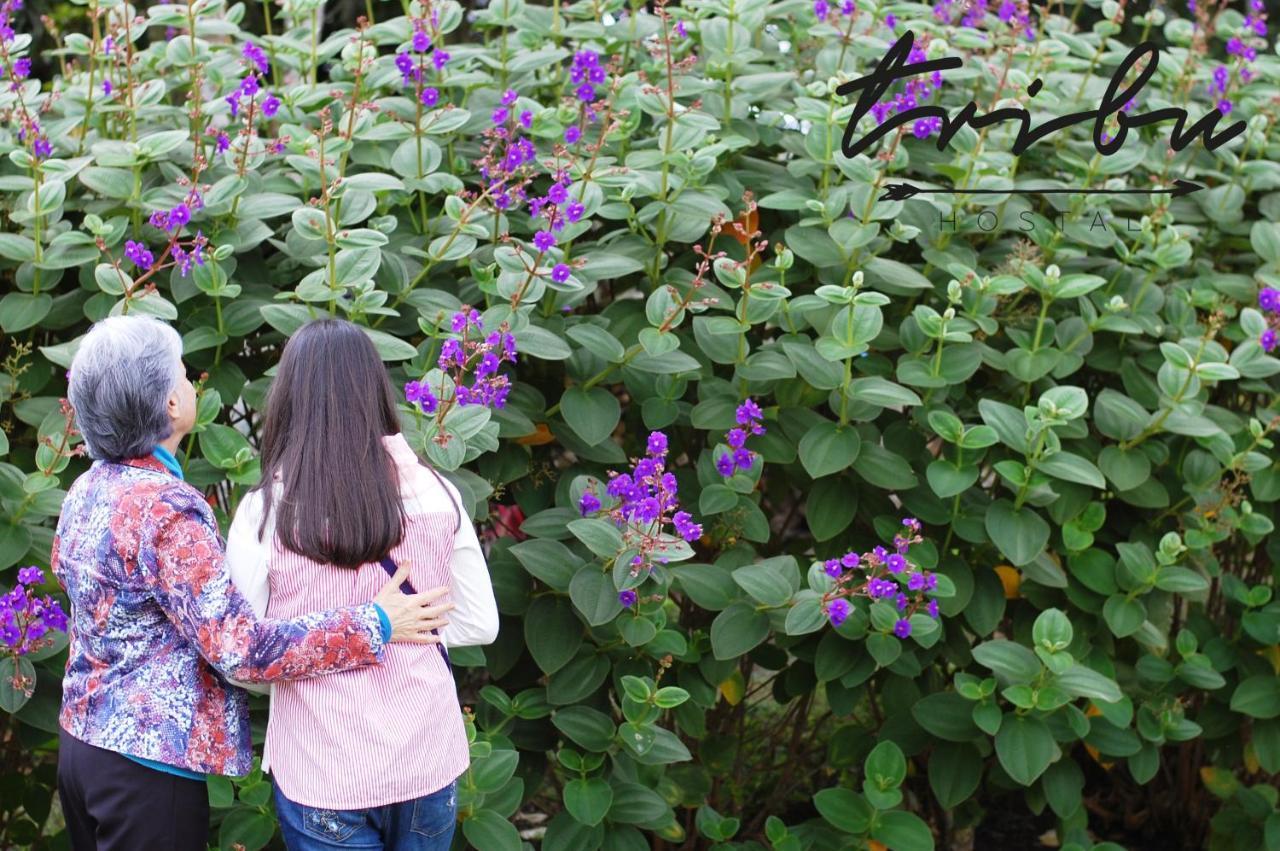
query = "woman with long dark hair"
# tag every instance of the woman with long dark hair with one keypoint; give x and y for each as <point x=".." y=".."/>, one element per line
<point x="370" y="758"/>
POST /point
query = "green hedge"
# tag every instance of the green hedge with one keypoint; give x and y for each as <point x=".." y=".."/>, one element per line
<point x="1071" y="393"/>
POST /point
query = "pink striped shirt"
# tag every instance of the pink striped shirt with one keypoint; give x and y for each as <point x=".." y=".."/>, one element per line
<point x="389" y="732"/>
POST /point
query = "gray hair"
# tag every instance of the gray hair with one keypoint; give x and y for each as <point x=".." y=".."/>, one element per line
<point x="121" y="377"/>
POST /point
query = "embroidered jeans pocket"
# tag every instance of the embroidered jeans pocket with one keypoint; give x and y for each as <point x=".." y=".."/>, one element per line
<point x="333" y="825"/>
<point x="436" y="814"/>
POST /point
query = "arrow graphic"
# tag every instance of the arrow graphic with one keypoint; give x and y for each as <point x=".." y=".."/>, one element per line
<point x="903" y="191"/>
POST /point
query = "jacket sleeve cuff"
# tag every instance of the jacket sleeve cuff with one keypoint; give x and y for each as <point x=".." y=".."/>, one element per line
<point x="385" y="622"/>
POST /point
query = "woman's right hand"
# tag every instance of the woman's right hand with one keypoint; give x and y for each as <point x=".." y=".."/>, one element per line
<point x="412" y="616"/>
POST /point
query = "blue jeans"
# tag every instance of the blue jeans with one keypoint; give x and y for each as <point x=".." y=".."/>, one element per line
<point x="422" y="824"/>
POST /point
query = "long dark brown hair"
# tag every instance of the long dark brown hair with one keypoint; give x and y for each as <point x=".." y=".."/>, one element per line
<point x="329" y="407"/>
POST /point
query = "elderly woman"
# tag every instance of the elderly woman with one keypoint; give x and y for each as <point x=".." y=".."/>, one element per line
<point x="157" y="627"/>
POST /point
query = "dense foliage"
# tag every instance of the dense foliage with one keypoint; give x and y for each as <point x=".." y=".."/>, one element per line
<point x="928" y="513"/>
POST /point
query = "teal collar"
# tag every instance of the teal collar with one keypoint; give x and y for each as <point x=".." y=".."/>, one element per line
<point x="165" y="457"/>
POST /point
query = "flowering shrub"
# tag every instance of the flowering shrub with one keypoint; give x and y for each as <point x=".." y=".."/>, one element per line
<point x="691" y="366"/>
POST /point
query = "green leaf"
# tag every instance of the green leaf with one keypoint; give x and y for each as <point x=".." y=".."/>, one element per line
<point x="488" y="830"/>
<point x="594" y="595"/>
<point x="601" y="536"/>
<point x="1123" y="616"/>
<point x="765" y="582"/>
<point x="1021" y="534"/>
<point x="1079" y="681"/>
<point x="844" y="809"/>
<point x="592" y="413"/>
<point x="553" y="632"/>
<point x="1258" y="696"/>
<point x="1014" y="662"/>
<point x="738" y="629"/>
<point x="955" y="770"/>
<point x="1025" y="747"/>
<point x="828" y="448"/>
<point x="588" y="800"/>
<point x="902" y="831"/>
<point x="20" y="311"/>
<point x="250" y="829"/>
<point x="17" y="668"/>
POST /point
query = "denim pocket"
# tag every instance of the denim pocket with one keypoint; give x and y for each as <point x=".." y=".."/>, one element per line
<point x="436" y="813"/>
<point x="333" y="825"/>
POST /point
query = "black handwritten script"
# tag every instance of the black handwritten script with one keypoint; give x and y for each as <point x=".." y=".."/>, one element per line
<point x="893" y="67"/>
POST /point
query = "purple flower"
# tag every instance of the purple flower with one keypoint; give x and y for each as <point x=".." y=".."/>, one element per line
<point x="685" y="526"/>
<point x="421" y="41"/>
<point x="1269" y="299"/>
<point x="500" y="115"/>
<point x="557" y="194"/>
<point x="902" y="628"/>
<point x="896" y="563"/>
<point x="657" y="444"/>
<point x="544" y="240"/>
<point x="42" y="148"/>
<point x="1268" y="340"/>
<point x="138" y="253"/>
<point x="430" y="96"/>
<point x="526" y="119"/>
<point x="439" y="59"/>
<point x="270" y="106"/>
<point x="223" y="142"/>
<point x="680" y="30"/>
<point x="21" y="68"/>
<point x="850" y="560"/>
<point x="560" y="273"/>
<point x="1224" y="106"/>
<point x="588" y="503"/>
<point x="509" y="97"/>
<point x="916" y="581"/>
<point x="253" y="54"/>
<point x="420" y="394"/>
<point x="725" y="465"/>
<point x="408" y="71"/>
<point x="460" y="320"/>
<point x="890" y="21"/>
<point x="572" y="135"/>
<point x="30" y="575"/>
<point x="832" y="567"/>
<point x="585" y="93"/>
<point x="821" y="9"/>
<point x="932" y="609"/>
<point x="574" y="211"/>
<point x="627" y="598"/>
<point x="178" y="217"/>
<point x="838" y="611"/>
<point x="250" y="86"/>
<point x="106" y="88"/>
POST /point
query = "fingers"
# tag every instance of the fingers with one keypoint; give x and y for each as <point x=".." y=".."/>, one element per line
<point x="402" y="574"/>
<point x="430" y="595"/>
<point x="433" y="611"/>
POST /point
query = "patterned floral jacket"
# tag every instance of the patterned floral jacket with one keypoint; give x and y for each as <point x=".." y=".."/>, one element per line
<point x="157" y="625"/>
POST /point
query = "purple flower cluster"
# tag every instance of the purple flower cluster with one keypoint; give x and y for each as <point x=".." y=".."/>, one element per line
<point x="914" y="92"/>
<point x="411" y="65"/>
<point x="822" y="9"/>
<point x="738" y="457"/>
<point x="883" y="575"/>
<point x="1269" y="301"/>
<point x="644" y="502"/>
<point x="25" y="618"/>
<point x="483" y="355"/>
<point x="419" y="393"/>
<point x="587" y="73"/>
<point x="173" y="221"/>
<point x="138" y="253"/>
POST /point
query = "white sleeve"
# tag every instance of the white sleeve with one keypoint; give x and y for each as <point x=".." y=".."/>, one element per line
<point x="474" y="620"/>
<point x="246" y="562"/>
